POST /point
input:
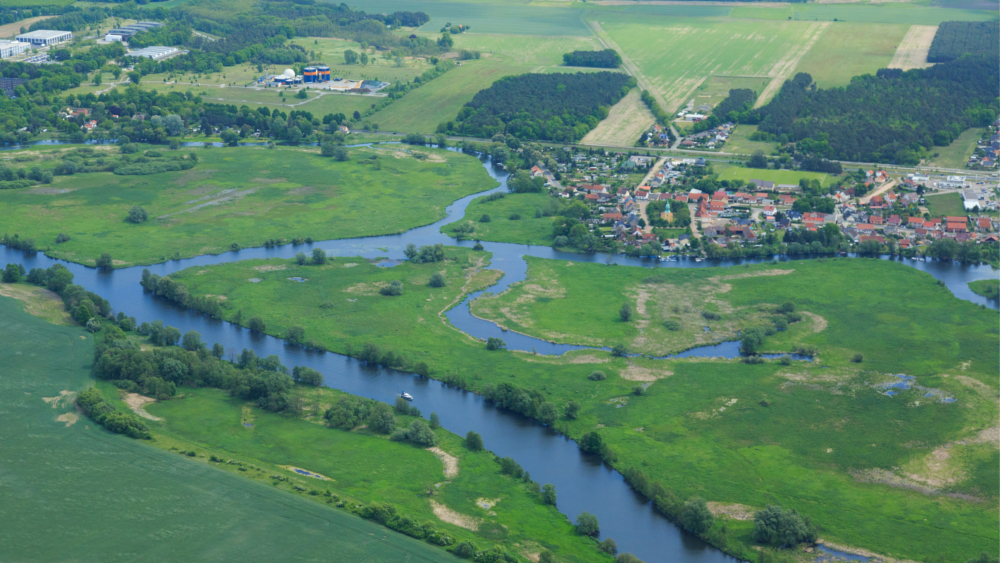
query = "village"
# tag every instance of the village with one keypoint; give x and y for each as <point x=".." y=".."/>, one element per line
<point x="680" y="207"/>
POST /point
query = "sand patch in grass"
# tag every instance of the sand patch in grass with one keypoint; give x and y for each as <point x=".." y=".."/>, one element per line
<point x="636" y="373"/>
<point x="450" y="462"/>
<point x="64" y="399"/>
<point x="819" y="324"/>
<point x="731" y="511"/>
<point x="450" y="516"/>
<point x="136" y="402"/>
<point x="270" y="268"/>
<point x="69" y="418"/>
<point x="39" y="302"/>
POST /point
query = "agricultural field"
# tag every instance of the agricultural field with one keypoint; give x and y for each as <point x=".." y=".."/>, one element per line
<point x="846" y="50"/>
<point x="9" y="30"/>
<point x="691" y="428"/>
<point x="776" y="176"/>
<point x="74" y="485"/>
<point x="716" y="88"/>
<point x="529" y="229"/>
<point x="626" y="122"/>
<point x="886" y="12"/>
<point x="241" y="196"/>
<point x="509" y="19"/>
<point x="913" y="50"/>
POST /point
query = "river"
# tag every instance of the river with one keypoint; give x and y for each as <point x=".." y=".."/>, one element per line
<point x="583" y="481"/>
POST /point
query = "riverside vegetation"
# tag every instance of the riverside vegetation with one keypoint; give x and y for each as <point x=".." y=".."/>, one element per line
<point x="714" y="428"/>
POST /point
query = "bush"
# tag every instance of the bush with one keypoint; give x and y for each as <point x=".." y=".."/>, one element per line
<point x="710" y="316"/>
<point x="751" y="341"/>
<point x="627" y="558"/>
<point x="414" y="139"/>
<point x="485" y="218"/>
<point x="857" y="358"/>
<point x="62" y="237"/>
<point x="437" y="280"/>
<point x="608" y="546"/>
<point x="672" y="325"/>
<point x="777" y="526"/>
<point x="104" y="262"/>
<point x="295" y="336"/>
<point x="626" y="312"/>
<point x="695" y="516"/>
<point x="257" y="324"/>
<point x="307" y="376"/>
<point x="586" y="524"/>
<point x="619" y="350"/>
<point x="572" y="410"/>
<point x="318" y="256"/>
<point x="597" y="375"/>
<point x="393" y="289"/>
<point x="418" y="433"/>
<point x="465" y="550"/>
<point x="473" y="441"/>
<point x="137" y="214"/>
<point x="495" y="344"/>
<point x="515" y="217"/>
<point x="92" y="403"/>
<point x="549" y="494"/>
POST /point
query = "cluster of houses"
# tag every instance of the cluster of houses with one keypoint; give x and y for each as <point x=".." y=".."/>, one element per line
<point x="987" y="152"/>
<point x="657" y="136"/>
<point x="710" y="139"/>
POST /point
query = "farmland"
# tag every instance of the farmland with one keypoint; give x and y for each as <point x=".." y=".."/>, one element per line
<point x="776" y="176"/>
<point x="846" y="50"/>
<point x="281" y="193"/>
<point x="76" y="486"/>
<point x="625" y="123"/>
<point x="680" y="418"/>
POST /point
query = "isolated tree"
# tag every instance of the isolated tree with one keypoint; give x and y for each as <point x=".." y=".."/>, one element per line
<point x="435" y="422"/>
<point x="751" y="341"/>
<point x="586" y="524"/>
<point x="411" y="251"/>
<point x="625" y="312"/>
<point x="257" y="324"/>
<point x="695" y="516"/>
<point x="137" y="214"/>
<point x="350" y="57"/>
<point x="364" y="59"/>
<point x="473" y="441"/>
<point x="608" y="546"/>
<point x="592" y="443"/>
<point x="437" y="280"/>
<point x="301" y="258"/>
<point x="572" y="410"/>
<point x="104" y="262"/>
<point x="296" y="335"/>
<point x="549" y="494"/>
<point x="135" y="77"/>
<point x="192" y="341"/>
<point x="318" y="256"/>
<point x="495" y="344"/>
<point x="381" y="419"/>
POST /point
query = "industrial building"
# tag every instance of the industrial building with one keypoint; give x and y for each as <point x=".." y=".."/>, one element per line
<point x="126" y="32"/>
<point x="44" y="37"/>
<point x="155" y="53"/>
<point x="314" y="74"/>
<point x="11" y="48"/>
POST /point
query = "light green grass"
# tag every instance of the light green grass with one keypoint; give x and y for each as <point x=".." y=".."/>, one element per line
<point x="892" y="13"/>
<point x="676" y="54"/>
<point x="949" y="204"/>
<point x="986" y="288"/>
<point x="956" y="155"/>
<point x="279" y="193"/>
<point x="748" y="453"/>
<point x="526" y="230"/>
<point x="78" y="489"/>
<point x="366" y="467"/>
<point x="846" y="50"/>
<point x="531" y="51"/>
<point x="717" y="88"/>
<point x="776" y="176"/>
<point x="739" y="142"/>
<point x="511" y="19"/>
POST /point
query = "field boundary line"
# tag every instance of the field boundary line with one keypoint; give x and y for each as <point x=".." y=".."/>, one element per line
<point x="783" y="69"/>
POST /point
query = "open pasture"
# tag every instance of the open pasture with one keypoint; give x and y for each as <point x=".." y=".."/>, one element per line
<point x="241" y="196"/>
<point x="957" y="154"/>
<point x="776" y="176"/>
<point x="716" y="88"/>
<point x="81" y="493"/>
<point x="847" y="49"/>
<point x="889" y="12"/>
<point x="508" y="19"/>
<point x="530" y="52"/>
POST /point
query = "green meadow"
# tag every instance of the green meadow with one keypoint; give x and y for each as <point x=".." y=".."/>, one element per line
<point x="76" y="487"/>
<point x="364" y="467"/>
<point x="776" y="176"/>
<point x="493" y="17"/>
<point x="846" y="50"/>
<point x="986" y="288"/>
<point x="957" y="154"/>
<point x="528" y="229"/>
<point x="243" y="196"/>
<point x="728" y="431"/>
<point x="947" y="204"/>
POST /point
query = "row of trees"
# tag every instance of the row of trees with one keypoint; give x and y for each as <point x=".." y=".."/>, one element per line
<point x="608" y="58"/>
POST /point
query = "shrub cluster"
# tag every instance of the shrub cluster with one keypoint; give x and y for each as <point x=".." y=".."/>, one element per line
<point x="92" y="403"/>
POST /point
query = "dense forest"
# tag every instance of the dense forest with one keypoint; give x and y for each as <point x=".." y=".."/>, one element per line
<point x="554" y="107"/>
<point x="954" y="39"/>
<point x="607" y="58"/>
<point x="893" y="116"/>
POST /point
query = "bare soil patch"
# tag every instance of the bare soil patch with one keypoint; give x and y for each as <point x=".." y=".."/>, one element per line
<point x="913" y="49"/>
<point x="69" y="418"/>
<point x="731" y="511"/>
<point x="819" y="323"/>
<point x="39" y="302"/>
<point x="63" y="399"/>
<point x="636" y="373"/>
<point x="450" y="516"/>
<point x="13" y="28"/>
<point x="450" y="462"/>
<point x="136" y="402"/>
<point x="270" y="268"/>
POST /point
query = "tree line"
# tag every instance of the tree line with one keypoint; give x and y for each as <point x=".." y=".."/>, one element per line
<point x="894" y="116"/>
<point x="557" y="107"/>
<point x="608" y="58"/>
<point x="954" y="39"/>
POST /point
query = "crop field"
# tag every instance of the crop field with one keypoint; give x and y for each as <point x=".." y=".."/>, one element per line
<point x="501" y="228"/>
<point x="677" y="55"/>
<point x="624" y="125"/>
<point x="913" y="50"/>
<point x="716" y="88"/>
<point x="691" y="429"/>
<point x="241" y="196"/>
<point x="509" y="19"/>
<point x="893" y="13"/>
<point x="531" y="51"/>
<point x="10" y="30"/>
<point x="849" y="49"/>
<point x="76" y="487"/>
<point x="776" y="176"/>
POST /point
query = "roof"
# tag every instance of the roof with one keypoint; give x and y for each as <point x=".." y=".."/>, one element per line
<point x="43" y="34"/>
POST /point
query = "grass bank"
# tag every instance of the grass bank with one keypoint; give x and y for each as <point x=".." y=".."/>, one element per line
<point x="730" y="432"/>
<point x="241" y="196"/>
<point x="512" y="219"/>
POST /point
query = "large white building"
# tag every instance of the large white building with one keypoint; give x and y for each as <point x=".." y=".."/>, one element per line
<point x="155" y="53"/>
<point x="43" y="37"/>
<point x="9" y="49"/>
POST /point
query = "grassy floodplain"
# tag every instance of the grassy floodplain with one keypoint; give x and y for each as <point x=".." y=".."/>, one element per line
<point x="243" y="195"/>
<point x="986" y="288"/>
<point x="717" y="428"/>
<point x="74" y="485"/>
<point x="501" y="228"/>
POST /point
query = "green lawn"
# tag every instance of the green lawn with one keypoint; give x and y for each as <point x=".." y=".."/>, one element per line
<point x="739" y="142"/>
<point x="721" y="429"/>
<point x="366" y="467"/>
<point x="81" y="493"/>
<point x="243" y="195"/>
<point x="776" y="176"/>
<point x="949" y="204"/>
<point x="501" y="228"/>
<point x="956" y="155"/>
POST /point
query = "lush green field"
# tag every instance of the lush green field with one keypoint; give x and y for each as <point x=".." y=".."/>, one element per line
<point x="366" y="467"/>
<point x="887" y="12"/>
<point x="776" y="176"/>
<point x="243" y="195"/>
<point x="510" y="19"/>
<point x="957" y="154"/>
<point x="986" y="288"/>
<point x="725" y="430"/>
<point x="949" y="204"/>
<point x="846" y="50"/>
<point x="739" y="142"/>
<point x="532" y="51"/>
<point x="81" y="493"/>
<point x="716" y="88"/>
<point x="501" y="228"/>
